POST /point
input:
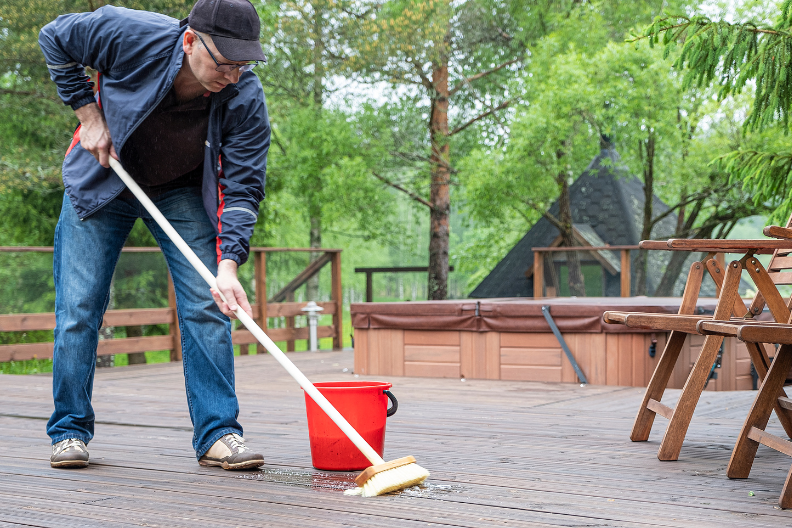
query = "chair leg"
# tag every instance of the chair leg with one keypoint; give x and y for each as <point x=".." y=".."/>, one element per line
<point x="761" y="361"/>
<point x="744" y="450"/>
<point x="785" y="500"/>
<point x="683" y="412"/>
<point x="657" y="386"/>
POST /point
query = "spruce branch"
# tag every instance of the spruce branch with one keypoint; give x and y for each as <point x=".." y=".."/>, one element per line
<point x="732" y="55"/>
<point x="767" y="176"/>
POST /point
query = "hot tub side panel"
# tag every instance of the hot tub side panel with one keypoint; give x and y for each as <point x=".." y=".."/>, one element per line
<point x="606" y="359"/>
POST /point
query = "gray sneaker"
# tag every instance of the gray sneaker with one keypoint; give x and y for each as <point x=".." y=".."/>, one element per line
<point x="230" y="452"/>
<point x="70" y="453"/>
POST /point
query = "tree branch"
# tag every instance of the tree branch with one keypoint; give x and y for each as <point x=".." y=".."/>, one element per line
<point x="424" y="79"/>
<point x="402" y="189"/>
<point x="477" y="76"/>
<point x="689" y="200"/>
<point x="503" y="34"/>
<point x="545" y="213"/>
<point x="407" y="156"/>
<point x="689" y="22"/>
<point x="480" y="117"/>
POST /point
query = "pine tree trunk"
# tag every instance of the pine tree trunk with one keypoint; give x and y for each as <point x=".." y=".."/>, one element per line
<point x="440" y="197"/>
<point x="671" y="274"/>
<point x="642" y="261"/>
<point x="136" y="358"/>
<point x="577" y="286"/>
<point x="315" y="236"/>
<point x="312" y="286"/>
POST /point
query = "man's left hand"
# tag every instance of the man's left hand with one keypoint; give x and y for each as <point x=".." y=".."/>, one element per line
<point x="228" y="283"/>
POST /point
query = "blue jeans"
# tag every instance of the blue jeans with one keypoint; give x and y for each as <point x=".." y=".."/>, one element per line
<point x="86" y="253"/>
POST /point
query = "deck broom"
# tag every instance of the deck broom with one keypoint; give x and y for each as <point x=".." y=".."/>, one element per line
<point x="381" y="477"/>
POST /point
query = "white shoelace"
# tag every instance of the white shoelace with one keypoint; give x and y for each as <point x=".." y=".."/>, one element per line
<point x="237" y="443"/>
<point x="70" y="444"/>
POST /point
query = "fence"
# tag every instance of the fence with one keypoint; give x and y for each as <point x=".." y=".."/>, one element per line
<point x="279" y="305"/>
<point x="542" y="258"/>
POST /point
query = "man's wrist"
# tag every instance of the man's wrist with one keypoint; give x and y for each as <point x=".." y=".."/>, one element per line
<point x="227" y="265"/>
<point x="232" y="257"/>
<point x="89" y="113"/>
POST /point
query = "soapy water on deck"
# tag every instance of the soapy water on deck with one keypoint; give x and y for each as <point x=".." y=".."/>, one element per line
<point x="340" y="482"/>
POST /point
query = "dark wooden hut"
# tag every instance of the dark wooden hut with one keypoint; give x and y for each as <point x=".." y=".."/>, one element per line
<point x="607" y="209"/>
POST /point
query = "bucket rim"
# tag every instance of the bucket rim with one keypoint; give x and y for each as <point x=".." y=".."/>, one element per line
<point x="345" y="385"/>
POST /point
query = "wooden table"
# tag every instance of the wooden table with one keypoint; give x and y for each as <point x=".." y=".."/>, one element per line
<point x="501" y="454"/>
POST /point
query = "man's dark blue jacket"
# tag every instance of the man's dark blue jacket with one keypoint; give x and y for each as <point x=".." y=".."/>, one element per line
<point x="138" y="55"/>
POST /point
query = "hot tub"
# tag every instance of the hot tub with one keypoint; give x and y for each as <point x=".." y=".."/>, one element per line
<point x="509" y="339"/>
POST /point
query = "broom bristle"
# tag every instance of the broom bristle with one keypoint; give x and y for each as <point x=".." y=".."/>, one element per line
<point x="391" y="480"/>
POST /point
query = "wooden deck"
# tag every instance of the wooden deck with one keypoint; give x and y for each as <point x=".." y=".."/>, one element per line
<point x="501" y="454"/>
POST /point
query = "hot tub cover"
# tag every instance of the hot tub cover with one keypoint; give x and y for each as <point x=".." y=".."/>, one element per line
<point x="579" y="315"/>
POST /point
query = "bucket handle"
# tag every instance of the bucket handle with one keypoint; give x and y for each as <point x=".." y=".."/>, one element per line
<point x="394" y="403"/>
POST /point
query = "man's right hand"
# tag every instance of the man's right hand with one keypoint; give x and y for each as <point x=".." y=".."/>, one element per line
<point x="94" y="134"/>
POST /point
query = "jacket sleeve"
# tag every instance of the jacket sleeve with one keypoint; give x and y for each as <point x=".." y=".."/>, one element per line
<point x="243" y="157"/>
<point x="106" y="39"/>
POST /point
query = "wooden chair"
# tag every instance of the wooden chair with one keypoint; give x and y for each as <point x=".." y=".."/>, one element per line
<point x="686" y="322"/>
<point x="771" y="393"/>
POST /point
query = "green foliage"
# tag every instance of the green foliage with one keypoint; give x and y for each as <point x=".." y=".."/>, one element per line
<point x="737" y="57"/>
<point x="325" y="158"/>
<point x="733" y="55"/>
<point x="620" y="92"/>
<point x="769" y="171"/>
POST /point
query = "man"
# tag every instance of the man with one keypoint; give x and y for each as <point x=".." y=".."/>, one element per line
<point x="178" y="105"/>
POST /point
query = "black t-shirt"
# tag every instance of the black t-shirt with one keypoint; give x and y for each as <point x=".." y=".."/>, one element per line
<point x="166" y="151"/>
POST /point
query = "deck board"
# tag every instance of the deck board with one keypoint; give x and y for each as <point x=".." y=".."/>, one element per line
<point x="501" y="454"/>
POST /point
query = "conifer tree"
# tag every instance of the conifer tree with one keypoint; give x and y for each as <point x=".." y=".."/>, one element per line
<point x="737" y="57"/>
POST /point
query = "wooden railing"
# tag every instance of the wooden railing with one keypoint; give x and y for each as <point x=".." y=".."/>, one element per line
<point x="262" y="310"/>
<point x="402" y="269"/>
<point x="540" y="254"/>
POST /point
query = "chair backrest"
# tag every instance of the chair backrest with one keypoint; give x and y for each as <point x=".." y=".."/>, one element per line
<point x="779" y="273"/>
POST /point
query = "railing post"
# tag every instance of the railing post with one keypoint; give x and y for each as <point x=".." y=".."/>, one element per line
<point x="538" y="274"/>
<point x="337" y="295"/>
<point x="625" y="272"/>
<point x="369" y="287"/>
<point x="260" y="263"/>
<point x="173" y="329"/>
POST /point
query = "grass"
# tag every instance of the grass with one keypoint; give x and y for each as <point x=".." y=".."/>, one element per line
<point x="30" y="366"/>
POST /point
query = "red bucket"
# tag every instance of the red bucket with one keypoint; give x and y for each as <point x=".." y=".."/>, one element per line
<point x="364" y="404"/>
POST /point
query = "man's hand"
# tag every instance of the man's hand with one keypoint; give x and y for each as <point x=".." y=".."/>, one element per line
<point x="94" y="134"/>
<point x="228" y="283"/>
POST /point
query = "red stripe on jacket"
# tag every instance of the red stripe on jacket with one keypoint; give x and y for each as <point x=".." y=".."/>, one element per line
<point x="75" y="140"/>
<point x="220" y="207"/>
<point x="76" y="135"/>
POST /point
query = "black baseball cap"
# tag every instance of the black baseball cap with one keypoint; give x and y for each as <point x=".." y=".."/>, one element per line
<point x="234" y="26"/>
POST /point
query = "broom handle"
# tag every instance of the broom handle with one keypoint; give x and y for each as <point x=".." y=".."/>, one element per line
<point x="248" y="321"/>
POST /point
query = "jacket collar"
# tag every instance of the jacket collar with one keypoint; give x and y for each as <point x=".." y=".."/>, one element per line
<point x="229" y="92"/>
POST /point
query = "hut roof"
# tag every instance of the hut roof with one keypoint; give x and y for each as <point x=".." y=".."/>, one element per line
<point x="607" y="202"/>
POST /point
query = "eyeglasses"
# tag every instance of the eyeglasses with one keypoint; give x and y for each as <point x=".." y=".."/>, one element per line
<point x="227" y="68"/>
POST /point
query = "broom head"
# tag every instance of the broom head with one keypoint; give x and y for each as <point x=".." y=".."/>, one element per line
<point x="390" y="476"/>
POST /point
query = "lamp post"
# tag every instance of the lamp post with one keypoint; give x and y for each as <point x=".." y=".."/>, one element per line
<point x="312" y="311"/>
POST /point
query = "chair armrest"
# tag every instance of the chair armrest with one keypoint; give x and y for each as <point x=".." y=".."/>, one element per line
<point x="728" y="246"/>
<point x="654" y="244"/>
<point x="777" y="232"/>
<point x="759" y="247"/>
